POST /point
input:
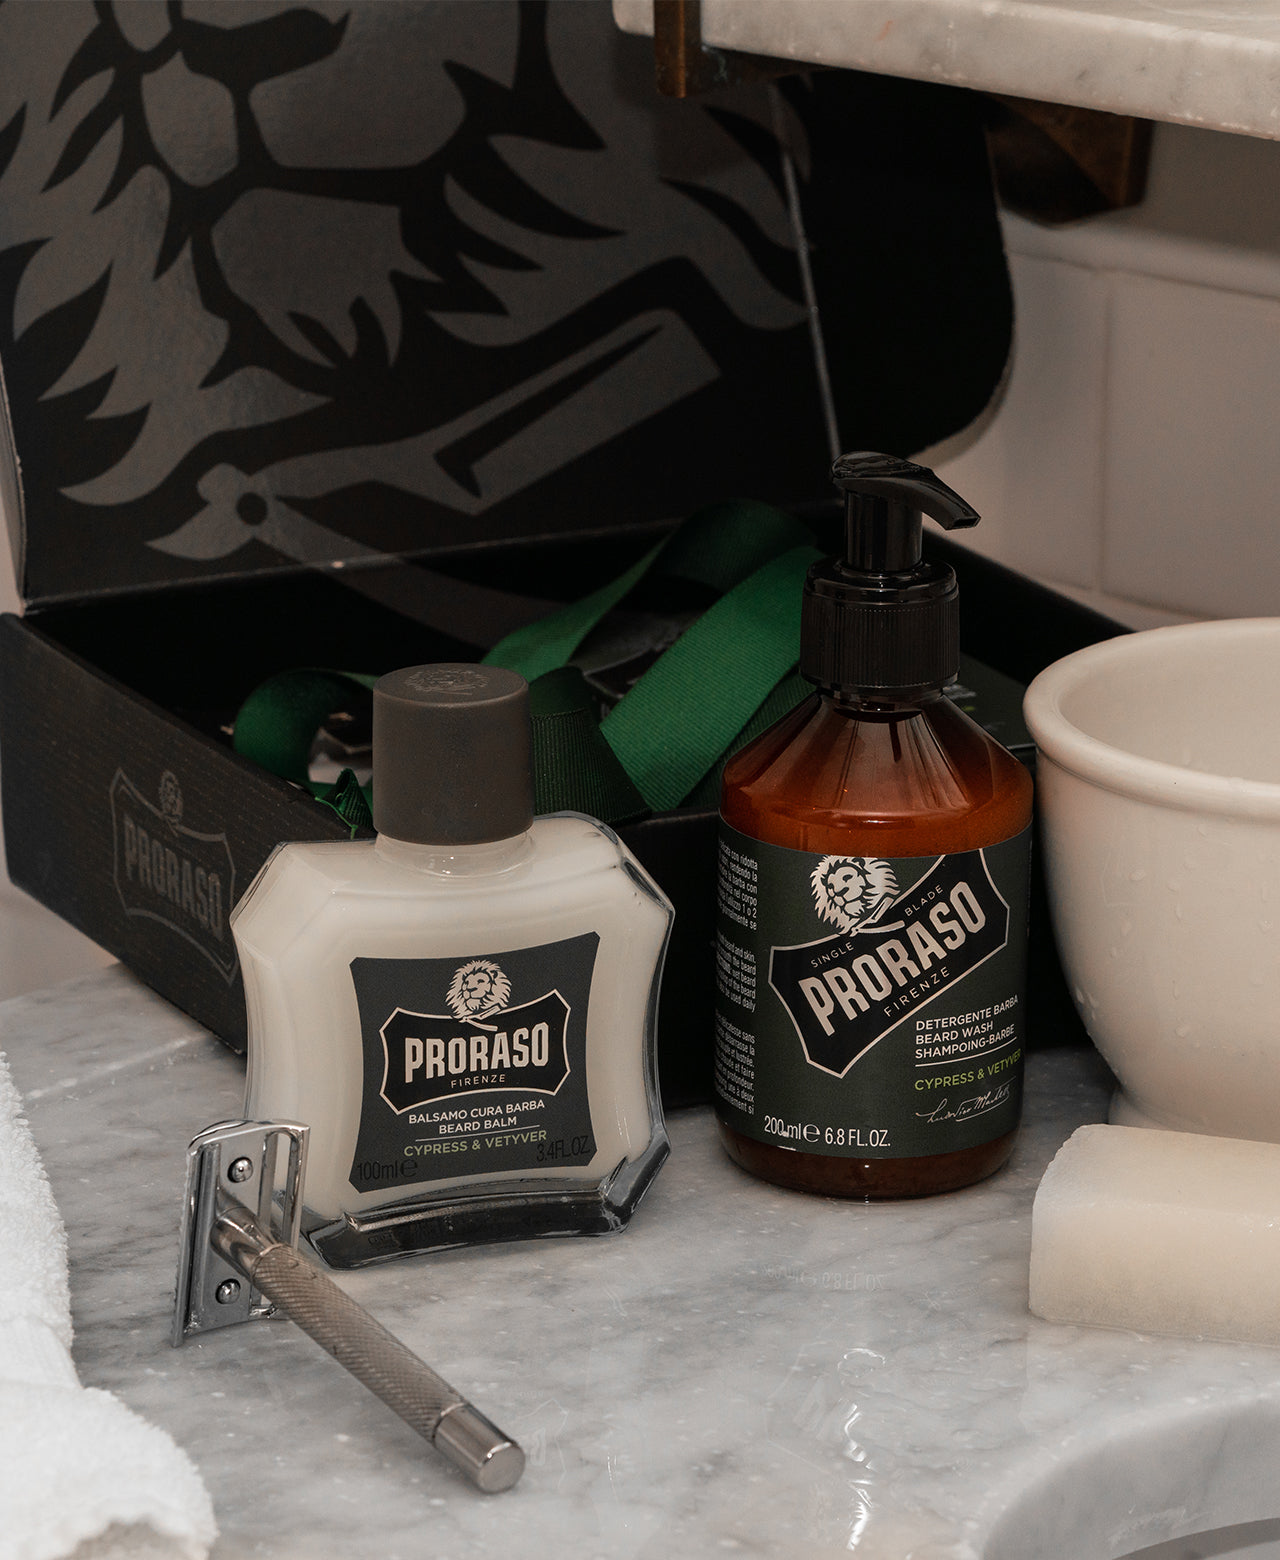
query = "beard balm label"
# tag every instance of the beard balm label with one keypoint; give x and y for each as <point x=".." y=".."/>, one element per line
<point x="473" y="1064"/>
<point x="870" y="1007"/>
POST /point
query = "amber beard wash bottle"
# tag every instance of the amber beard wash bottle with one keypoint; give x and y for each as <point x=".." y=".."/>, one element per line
<point x="874" y="852"/>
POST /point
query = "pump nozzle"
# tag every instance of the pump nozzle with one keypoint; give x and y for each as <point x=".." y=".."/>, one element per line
<point x="884" y="497"/>
<point x="881" y="619"/>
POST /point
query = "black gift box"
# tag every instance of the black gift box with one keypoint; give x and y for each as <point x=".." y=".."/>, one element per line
<point x="354" y="336"/>
<point x="127" y="812"/>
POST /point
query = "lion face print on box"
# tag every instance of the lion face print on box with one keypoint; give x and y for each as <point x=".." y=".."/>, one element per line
<point x="282" y="283"/>
<point x="286" y="283"/>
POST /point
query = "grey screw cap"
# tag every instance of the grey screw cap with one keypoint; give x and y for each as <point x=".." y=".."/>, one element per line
<point x="452" y="754"/>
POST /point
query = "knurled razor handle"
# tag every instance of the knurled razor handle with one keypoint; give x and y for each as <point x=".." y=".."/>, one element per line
<point x="426" y="1402"/>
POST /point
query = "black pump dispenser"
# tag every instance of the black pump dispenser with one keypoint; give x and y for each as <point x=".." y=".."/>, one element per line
<point x="881" y="620"/>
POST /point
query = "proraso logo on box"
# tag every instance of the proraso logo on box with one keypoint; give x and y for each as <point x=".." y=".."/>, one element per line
<point x="166" y="872"/>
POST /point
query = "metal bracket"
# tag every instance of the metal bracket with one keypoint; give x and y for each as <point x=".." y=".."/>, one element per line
<point x="684" y="66"/>
<point x="241" y="1159"/>
<point x="1055" y="163"/>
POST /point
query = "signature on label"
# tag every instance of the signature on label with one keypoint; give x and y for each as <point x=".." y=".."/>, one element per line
<point x="975" y="1105"/>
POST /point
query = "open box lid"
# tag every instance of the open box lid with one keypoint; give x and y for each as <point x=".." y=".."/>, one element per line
<point x="289" y="285"/>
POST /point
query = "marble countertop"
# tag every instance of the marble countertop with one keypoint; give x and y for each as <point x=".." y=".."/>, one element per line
<point x="744" y="1372"/>
<point x="1214" y="63"/>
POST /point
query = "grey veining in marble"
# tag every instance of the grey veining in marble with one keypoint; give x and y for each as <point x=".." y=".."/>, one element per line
<point x="745" y="1371"/>
<point x="1214" y="63"/>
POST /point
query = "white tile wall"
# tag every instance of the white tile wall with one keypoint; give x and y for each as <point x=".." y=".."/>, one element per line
<point x="1134" y="456"/>
<point x="37" y="948"/>
<point x="1035" y="475"/>
<point x="1192" y="491"/>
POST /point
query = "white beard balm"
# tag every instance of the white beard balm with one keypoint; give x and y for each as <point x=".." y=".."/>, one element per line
<point x="463" y="1010"/>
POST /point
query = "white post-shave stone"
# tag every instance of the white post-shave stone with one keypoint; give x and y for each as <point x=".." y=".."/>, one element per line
<point x="1164" y="1232"/>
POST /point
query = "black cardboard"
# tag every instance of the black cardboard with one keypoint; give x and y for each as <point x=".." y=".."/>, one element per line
<point x="285" y="285"/>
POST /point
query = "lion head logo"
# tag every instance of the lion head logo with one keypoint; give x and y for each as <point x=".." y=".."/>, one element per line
<point x="448" y="679"/>
<point x="170" y="798"/>
<point x="477" y="988"/>
<point x="853" y="891"/>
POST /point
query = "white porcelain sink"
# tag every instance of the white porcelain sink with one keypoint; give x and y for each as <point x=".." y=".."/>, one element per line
<point x="1242" y="1541"/>
<point x="1211" y="1473"/>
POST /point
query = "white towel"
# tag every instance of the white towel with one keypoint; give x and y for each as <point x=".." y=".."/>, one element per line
<point x="80" y="1474"/>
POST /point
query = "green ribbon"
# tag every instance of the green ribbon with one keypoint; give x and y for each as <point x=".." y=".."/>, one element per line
<point x="680" y="719"/>
<point x="728" y="676"/>
<point x="574" y="768"/>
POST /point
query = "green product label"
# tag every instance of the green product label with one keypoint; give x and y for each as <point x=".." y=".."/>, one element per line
<point x="473" y="1065"/>
<point x="898" y="1034"/>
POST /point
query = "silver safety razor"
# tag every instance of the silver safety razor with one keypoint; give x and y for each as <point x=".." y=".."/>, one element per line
<point x="244" y="1182"/>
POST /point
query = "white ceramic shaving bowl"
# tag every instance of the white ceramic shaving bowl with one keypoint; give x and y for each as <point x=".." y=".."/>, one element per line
<point x="1158" y="782"/>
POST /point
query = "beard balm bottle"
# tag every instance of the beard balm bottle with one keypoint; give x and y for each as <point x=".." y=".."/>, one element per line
<point x="873" y="875"/>
<point x="463" y="1009"/>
